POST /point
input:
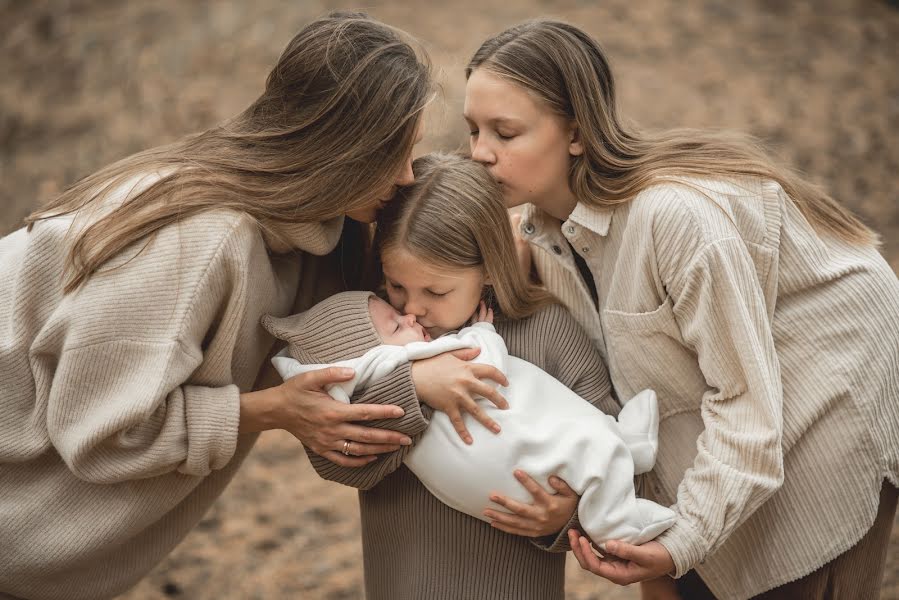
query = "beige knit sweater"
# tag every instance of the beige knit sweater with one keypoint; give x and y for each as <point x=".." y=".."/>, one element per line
<point x="414" y="546"/>
<point x="120" y="401"/>
<point x="775" y="356"/>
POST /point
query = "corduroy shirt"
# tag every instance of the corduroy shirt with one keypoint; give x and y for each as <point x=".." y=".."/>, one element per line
<point x="775" y="356"/>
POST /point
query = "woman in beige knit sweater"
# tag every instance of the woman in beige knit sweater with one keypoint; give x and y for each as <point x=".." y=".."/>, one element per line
<point x="130" y="344"/>
<point x="756" y="306"/>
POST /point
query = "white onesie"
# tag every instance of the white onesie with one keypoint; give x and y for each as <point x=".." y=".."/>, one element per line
<point x="547" y="430"/>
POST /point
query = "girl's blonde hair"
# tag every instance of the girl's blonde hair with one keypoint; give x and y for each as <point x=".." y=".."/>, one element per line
<point x="331" y="130"/>
<point x="453" y="216"/>
<point x="568" y="70"/>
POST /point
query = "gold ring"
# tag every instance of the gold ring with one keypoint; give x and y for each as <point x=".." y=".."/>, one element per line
<point x="346" y="448"/>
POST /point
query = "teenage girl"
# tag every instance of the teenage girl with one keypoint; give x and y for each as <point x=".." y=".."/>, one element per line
<point x="755" y="305"/>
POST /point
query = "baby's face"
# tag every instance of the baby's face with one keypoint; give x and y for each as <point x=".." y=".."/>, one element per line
<point x="394" y="328"/>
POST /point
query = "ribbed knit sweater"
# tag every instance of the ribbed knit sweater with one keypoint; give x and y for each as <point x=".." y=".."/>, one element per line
<point x="414" y="546"/>
<point x="120" y="401"/>
<point x="774" y="352"/>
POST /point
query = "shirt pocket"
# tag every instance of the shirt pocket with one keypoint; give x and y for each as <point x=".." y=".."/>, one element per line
<point x="646" y="350"/>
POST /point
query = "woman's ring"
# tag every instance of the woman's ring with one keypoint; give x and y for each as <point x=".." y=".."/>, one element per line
<point x="346" y="447"/>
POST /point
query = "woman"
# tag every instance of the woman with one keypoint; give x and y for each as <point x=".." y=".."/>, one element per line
<point x="756" y="306"/>
<point x="130" y="335"/>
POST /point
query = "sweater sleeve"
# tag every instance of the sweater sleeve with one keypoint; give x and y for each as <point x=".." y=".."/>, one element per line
<point x="144" y="377"/>
<point x="397" y="389"/>
<point x="118" y="411"/>
<point x="721" y="314"/>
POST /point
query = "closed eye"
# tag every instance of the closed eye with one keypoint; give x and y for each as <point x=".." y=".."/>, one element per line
<point x="436" y="294"/>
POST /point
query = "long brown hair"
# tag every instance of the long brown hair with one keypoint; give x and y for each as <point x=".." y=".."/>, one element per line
<point x="453" y="216"/>
<point x="568" y="70"/>
<point x="330" y="132"/>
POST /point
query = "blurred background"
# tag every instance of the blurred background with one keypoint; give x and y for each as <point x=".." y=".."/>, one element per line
<point x="85" y="82"/>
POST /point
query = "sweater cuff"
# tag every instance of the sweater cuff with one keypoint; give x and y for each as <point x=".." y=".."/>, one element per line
<point x="212" y="417"/>
<point x="396" y="389"/>
<point x="558" y="542"/>
<point x="686" y="547"/>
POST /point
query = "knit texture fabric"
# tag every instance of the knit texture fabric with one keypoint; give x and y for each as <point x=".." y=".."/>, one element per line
<point x="414" y="546"/>
<point x="121" y="400"/>
<point x="337" y="328"/>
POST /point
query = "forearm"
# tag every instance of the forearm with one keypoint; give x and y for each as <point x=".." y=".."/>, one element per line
<point x="260" y="410"/>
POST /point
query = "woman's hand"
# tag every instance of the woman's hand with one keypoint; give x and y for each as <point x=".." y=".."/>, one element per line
<point x="622" y="563"/>
<point x="547" y="515"/>
<point x="449" y="383"/>
<point x="301" y="406"/>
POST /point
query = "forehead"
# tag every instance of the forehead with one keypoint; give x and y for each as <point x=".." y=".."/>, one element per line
<point x="379" y="309"/>
<point x="402" y="266"/>
<point x="488" y="95"/>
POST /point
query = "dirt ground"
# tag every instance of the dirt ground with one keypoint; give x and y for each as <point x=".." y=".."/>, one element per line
<point x="85" y="82"/>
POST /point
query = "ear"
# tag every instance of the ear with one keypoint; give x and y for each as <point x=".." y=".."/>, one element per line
<point x="575" y="147"/>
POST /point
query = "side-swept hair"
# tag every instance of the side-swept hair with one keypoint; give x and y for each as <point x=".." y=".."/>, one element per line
<point x="331" y="130"/>
<point x="567" y="69"/>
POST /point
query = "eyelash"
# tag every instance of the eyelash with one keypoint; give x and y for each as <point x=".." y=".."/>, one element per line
<point x="436" y="295"/>
<point x="499" y="135"/>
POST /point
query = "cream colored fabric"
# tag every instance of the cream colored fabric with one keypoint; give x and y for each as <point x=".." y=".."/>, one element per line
<point x="547" y="430"/>
<point x="775" y="356"/>
<point x="120" y="401"/>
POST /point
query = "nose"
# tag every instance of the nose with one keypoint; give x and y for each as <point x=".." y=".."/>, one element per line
<point x="481" y="152"/>
<point x="409" y="320"/>
<point x="406" y="177"/>
<point x="414" y="309"/>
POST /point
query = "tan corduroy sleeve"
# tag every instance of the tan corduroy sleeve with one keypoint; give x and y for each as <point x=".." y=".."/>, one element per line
<point x="721" y="314"/>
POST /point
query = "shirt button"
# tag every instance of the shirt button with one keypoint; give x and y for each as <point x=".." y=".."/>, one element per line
<point x="556" y="249"/>
<point x="528" y="228"/>
<point x="585" y="249"/>
<point x="570" y="229"/>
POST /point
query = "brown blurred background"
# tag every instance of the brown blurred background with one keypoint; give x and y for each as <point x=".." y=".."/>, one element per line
<point x="84" y="82"/>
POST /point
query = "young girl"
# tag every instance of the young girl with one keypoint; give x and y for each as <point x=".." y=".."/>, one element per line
<point x="756" y="306"/>
<point x="445" y="243"/>
<point x="129" y="312"/>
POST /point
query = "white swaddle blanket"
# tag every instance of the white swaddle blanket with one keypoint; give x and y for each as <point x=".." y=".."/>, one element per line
<point x="547" y="430"/>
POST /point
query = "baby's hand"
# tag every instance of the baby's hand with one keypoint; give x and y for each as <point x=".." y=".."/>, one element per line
<point x="483" y="314"/>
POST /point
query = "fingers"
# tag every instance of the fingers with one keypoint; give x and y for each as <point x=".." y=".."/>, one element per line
<point x="370" y="435"/>
<point x="362" y="449"/>
<point x="534" y="489"/>
<point x="455" y="418"/>
<point x="514" y="507"/>
<point x="512" y="524"/>
<point x="339" y="458"/>
<point x="371" y="412"/>
<point x="472" y="408"/>
<point x="321" y="377"/>
<point x="561" y="487"/>
<point x="466" y="353"/>
<point x="489" y="372"/>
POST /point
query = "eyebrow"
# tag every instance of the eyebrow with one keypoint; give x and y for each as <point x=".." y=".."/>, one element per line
<point x="497" y="120"/>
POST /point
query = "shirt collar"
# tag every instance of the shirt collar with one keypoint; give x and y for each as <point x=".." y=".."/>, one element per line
<point x="597" y="220"/>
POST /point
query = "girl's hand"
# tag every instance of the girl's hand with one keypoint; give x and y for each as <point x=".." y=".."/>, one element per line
<point x="622" y="563"/>
<point x="522" y="249"/>
<point x="547" y="515"/>
<point x="301" y="406"/>
<point x="482" y="315"/>
<point x="449" y="383"/>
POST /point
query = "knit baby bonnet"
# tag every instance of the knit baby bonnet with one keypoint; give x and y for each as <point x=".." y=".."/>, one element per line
<point x="337" y="328"/>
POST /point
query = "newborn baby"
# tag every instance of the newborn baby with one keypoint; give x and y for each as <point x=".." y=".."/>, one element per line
<point x="547" y="429"/>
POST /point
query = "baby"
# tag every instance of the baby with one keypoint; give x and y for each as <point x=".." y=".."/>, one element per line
<point x="547" y="429"/>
